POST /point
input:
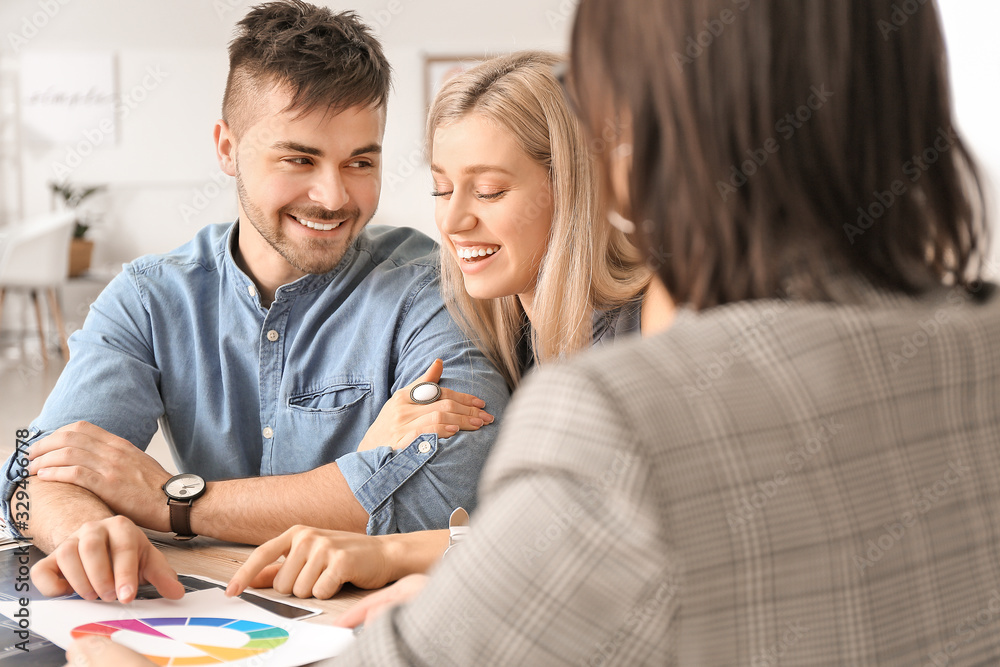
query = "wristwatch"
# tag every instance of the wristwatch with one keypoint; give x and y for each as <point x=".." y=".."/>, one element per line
<point x="182" y="490"/>
<point x="458" y="528"/>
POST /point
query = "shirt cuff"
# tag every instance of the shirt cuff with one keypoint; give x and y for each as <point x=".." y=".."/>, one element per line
<point x="374" y="475"/>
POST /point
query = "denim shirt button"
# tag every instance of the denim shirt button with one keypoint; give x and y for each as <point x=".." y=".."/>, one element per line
<point x="272" y="335"/>
<point x="268" y="432"/>
<point x="424" y="447"/>
<point x="251" y="290"/>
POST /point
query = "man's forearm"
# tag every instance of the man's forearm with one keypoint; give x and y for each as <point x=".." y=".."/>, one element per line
<point x="257" y="509"/>
<point x="56" y="510"/>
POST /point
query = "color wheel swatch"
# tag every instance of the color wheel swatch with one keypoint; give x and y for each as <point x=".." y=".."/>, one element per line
<point x="184" y="641"/>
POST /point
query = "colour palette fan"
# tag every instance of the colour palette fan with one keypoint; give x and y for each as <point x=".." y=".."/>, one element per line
<point x="189" y="641"/>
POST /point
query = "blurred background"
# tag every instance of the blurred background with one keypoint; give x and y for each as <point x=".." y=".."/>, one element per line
<point x="107" y="110"/>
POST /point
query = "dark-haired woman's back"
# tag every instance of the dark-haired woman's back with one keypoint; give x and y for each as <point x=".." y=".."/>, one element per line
<point x="768" y="482"/>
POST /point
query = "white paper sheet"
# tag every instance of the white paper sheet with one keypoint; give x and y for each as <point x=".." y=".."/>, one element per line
<point x="202" y="628"/>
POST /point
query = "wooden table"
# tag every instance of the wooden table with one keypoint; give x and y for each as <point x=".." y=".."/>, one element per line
<point x="218" y="560"/>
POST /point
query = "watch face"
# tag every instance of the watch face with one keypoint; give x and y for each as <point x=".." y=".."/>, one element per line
<point x="184" y="487"/>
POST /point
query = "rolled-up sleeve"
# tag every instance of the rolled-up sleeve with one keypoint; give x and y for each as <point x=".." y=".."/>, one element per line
<point x="416" y="488"/>
<point x="376" y="475"/>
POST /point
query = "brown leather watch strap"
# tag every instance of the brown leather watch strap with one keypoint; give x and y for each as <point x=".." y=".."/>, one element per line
<point x="180" y="518"/>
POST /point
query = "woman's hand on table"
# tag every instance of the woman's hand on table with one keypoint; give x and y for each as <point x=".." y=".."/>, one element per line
<point x="317" y="563"/>
<point x="401" y="421"/>
<point x="372" y="606"/>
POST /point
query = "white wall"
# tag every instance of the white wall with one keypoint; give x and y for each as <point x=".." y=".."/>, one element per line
<point x="161" y="173"/>
<point x="972" y="28"/>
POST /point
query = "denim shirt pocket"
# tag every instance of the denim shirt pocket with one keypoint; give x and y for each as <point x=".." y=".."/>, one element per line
<point x="340" y="395"/>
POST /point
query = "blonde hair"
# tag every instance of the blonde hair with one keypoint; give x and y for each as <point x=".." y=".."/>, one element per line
<point x="588" y="264"/>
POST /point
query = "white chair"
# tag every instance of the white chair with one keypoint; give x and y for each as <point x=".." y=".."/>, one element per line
<point x="34" y="255"/>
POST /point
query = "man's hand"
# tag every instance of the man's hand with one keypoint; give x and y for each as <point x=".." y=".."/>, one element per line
<point x="317" y="563"/>
<point x="127" y="479"/>
<point x="100" y="652"/>
<point x="376" y="604"/>
<point x="107" y="559"/>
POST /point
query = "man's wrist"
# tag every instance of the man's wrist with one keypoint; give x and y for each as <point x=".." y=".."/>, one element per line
<point x="202" y="511"/>
<point x="162" y="523"/>
<point x="161" y="515"/>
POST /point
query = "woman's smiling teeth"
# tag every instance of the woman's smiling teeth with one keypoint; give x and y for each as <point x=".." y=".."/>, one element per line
<point x="477" y="252"/>
<point x="317" y="225"/>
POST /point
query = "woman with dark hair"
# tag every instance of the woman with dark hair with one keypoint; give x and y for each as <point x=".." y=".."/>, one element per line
<point x="802" y="468"/>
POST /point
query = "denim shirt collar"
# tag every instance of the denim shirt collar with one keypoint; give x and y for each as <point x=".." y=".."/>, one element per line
<point x="304" y="285"/>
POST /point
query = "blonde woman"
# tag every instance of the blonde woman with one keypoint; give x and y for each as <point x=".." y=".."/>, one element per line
<point x="515" y="179"/>
<point x="530" y="269"/>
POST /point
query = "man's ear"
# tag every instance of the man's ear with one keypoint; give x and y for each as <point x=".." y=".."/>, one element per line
<point x="225" y="147"/>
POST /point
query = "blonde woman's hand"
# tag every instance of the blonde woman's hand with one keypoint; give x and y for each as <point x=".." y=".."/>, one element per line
<point x="317" y="563"/>
<point x="401" y="420"/>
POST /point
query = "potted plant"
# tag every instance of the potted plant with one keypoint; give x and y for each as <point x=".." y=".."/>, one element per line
<point x="81" y="249"/>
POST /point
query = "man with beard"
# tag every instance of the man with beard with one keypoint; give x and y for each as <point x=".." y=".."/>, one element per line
<point x="266" y="347"/>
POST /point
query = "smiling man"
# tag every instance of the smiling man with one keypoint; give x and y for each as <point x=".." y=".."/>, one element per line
<point x="266" y="347"/>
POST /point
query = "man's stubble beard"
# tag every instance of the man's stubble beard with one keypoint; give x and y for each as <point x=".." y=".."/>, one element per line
<point x="319" y="256"/>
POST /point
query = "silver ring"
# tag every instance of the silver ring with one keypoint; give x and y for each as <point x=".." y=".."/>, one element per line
<point x="427" y="396"/>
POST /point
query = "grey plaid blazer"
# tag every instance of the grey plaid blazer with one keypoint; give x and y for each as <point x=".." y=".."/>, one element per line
<point x="765" y="483"/>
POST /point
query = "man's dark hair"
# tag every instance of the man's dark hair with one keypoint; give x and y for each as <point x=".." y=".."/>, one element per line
<point x="781" y="142"/>
<point x="326" y="59"/>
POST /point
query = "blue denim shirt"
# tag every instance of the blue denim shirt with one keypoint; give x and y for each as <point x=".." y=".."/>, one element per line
<point x="241" y="390"/>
